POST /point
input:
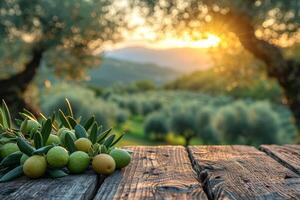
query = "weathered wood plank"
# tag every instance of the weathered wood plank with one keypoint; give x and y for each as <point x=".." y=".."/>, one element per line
<point x="70" y="187"/>
<point x="163" y="172"/>
<point x="287" y="155"/>
<point x="242" y="172"/>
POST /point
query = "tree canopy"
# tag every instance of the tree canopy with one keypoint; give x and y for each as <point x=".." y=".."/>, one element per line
<point x="260" y="27"/>
<point x="64" y="35"/>
<point x="68" y="31"/>
<point x="273" y="20"/>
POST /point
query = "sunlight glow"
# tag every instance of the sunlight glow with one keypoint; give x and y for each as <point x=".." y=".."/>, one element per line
<point x="210" y="41"/>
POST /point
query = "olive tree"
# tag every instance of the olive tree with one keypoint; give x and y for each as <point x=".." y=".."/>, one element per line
<point x="156" y="125"/>
<point x="182" y="123"/>
<point x="260" y="26"/>
<point x="63" y="35"/>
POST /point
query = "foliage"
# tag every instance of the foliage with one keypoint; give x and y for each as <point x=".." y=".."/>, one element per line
<point x="165" y="115"/>
<point x="264" y="124"/>
<point x="156" y="126"/>
<point x="32" y="142"/>
<point x="272" y="19"/>
<point x="254" y="85"/>
<point x="260" y="27"/>
<point x="182" y="123"/>
<point x="122" y="116"/>
<point x="254" y="123"/>
<point x="66" y="32"/>
<point x="137" y="106"/>
<point x="84" y="103"/>
<point x="217" y="121"/>
<point x="203" y="125"/>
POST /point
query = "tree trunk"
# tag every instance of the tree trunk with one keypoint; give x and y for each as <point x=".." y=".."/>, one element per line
<point x="188" y="141"/>
<point x="13" y="88"/>
<point x="287" y="72"/>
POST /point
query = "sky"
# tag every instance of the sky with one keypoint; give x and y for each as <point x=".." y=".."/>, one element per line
<point x="145" y="36"/>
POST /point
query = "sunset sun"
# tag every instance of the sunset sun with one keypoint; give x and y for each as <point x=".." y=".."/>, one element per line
<point x="209" y="41"/>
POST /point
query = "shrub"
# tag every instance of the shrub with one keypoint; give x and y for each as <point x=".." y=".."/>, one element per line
<point x="122" y="116"/>
<point x="203" y="127"/>
<point x="133" y="106"/>
<point x="156" y="125"/>
<point x="182" y="123"/>
<point x="84" y="103"/>
<point x="254" y="123"/>
<point x="264" y="124"/>
<point x="225" y="122"/>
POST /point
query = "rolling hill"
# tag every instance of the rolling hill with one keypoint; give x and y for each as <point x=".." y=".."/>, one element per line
<point x="184" y="60"/>
<point x="114" y="71"/>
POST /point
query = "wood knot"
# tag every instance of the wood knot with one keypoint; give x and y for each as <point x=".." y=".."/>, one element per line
<point x="287" y="176"/>
<point x="175" y="187"/>
<point x="153" y="171"/>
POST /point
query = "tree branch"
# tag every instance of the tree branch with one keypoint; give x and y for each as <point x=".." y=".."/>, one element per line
<point x="12" y="88"/>
<point x="285" y="71"/>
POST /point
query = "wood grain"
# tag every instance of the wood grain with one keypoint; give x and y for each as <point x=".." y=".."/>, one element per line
<point x="287" y="155"/>
<point x="76" y="187"/>
<point x="163" y="172"/>
<point x="242" y="172"/>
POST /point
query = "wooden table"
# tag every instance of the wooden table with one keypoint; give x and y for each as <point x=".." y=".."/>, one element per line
<point x="176" y="172"/>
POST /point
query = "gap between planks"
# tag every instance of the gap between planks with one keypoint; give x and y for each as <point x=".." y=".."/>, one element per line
<point x="166" y="189"/>
<point x="243" y="172"/>
<point x="202" y="176"/>
<point x="159" y="172"/>
<point x="287" y="155"/>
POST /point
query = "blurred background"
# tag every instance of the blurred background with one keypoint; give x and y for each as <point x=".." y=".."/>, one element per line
<point x="164" y="72"/>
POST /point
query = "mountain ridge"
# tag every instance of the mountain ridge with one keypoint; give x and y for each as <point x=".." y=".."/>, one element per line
<point x="184" y="60"/>
<point x="114" y="71"/>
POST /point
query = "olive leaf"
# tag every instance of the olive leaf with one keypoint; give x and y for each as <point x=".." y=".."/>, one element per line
<point x="103" y="135"/>
<point x="1" y="117"/>
<point x="43" y="150"/>
<point x="69" y="107"/>
<point x="23" y="126"/>
<point x="38" y="140"/>
<point x="80" y="131"/>
<point x="64" y="120"/>
<point x="56" y="173"/>
<point x="103" y="149"/>
<point x="46" y="130"/>
<point x="94" y="150"/>
<point x="26" y="116"/>
<point x="117" y="140"/>
<point x="54" y="126"/>
<point x="93" y="133"/>
<point x="54" y="123"/>
<point x="69" y="143"/>
<point x="72" y="121"/>
<point x="89" y="123"/>
<point x="12" y="159"/>
<point x="108" y="141"/>
<point x="29" y="113"/>
<point x="25" y="147"/>
<point x="6" y="114"/>
<point x="12" y="174"/>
